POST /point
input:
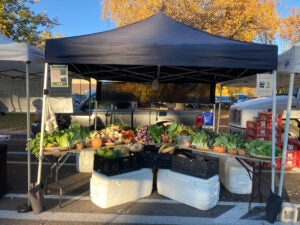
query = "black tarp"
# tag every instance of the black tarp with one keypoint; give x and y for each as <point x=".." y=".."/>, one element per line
<point x="183" y="54"/>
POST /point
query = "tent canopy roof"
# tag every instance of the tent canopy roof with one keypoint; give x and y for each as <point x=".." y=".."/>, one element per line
<point x="13" y="57"/>
<point x="159" y="44"/>
<point x="288" y="62"/>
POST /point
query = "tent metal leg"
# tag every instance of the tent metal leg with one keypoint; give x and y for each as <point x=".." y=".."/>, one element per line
<point x="253" y="174"/>
<point x="56" y="164"/>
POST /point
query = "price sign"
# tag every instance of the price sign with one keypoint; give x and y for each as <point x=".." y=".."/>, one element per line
<point x="264" y="84"/>
<point x="59" y="75"/>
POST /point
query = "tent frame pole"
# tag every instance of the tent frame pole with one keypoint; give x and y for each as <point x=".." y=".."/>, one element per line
<point x="28" y="132"/>
<point x="274" y="89"/>
<point x="219" y="109"/>
<point x="286" y="133"/>
<point x="45" y="94"/>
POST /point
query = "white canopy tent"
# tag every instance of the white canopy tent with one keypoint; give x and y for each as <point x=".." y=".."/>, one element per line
<point x="288" y="61"/>
<point x="288" y="65"/>
<point x="19" y="60"/>
<point x="14" y="57"/>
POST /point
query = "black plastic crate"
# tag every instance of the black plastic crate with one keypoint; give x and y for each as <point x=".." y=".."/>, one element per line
<point x="111" y="167"/>
<point x="150" y="158"/>
<point x="195" y="165"/>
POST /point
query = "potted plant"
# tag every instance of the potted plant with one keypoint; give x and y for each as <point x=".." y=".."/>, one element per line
<point x="220" y="143"/>
<point x="241" y="146"/>
<point x="179" y="134"/>
<point x="202" y="139"/>
<point x="235" y="143"/>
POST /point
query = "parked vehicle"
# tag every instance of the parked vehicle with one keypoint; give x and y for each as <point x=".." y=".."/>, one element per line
<point x="240" y="113"/>
<point x="97" y="115"/>
<point x="225" y="101"/>
<point x="237" y="98"/>
<point x="127" y="112"/>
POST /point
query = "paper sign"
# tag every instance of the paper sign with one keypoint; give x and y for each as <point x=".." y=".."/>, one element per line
<point x="59" y="75"/>
<point x="264" y="84"/>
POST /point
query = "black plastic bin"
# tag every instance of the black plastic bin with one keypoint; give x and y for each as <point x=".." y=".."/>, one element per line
<point x="194" y="164"/>
<point x="152" y="159"/>
<point x="111" y="167"/>
<point x="3" y="169"/>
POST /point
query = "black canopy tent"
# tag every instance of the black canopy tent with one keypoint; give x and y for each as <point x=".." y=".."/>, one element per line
<point x="184" y="54"/>
<point x="158" y="48"/>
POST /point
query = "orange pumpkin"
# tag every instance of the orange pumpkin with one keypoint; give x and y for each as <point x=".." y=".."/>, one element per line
<point x="96" y="142"/>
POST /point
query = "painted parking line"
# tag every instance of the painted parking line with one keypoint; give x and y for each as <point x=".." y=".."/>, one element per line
<point x="145" y="200"/>
<point x="100" y="218"/>
<point x="231" y="216"/>
<point x="36" y="163"/>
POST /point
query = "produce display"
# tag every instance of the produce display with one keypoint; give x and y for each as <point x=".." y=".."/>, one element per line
<point x="142" y="136"/>
<point x="112" y="153"/>
<point x="261" y="148"/>
<point x="203" y="139"/>
<point x="166" y="148"/>
<point x="166" y="137"/>
<point x="60" y="140"/>
<point x="111" y="135"/>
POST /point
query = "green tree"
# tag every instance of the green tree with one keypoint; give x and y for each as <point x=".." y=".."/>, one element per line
<point x="21" y="24"/>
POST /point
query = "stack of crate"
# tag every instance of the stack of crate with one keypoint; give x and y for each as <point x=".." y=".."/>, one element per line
<point x="261" y="128"/>
<point x="292" y="154"/>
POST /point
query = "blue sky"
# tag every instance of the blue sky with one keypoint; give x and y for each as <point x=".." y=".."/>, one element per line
<point x="79" y="17"/>
<point x="76" y="17"/>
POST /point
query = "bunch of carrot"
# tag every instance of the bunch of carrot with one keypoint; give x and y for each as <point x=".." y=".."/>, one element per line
<point x="128" y="135"/>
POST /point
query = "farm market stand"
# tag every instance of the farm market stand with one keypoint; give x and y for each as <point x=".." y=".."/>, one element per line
<point x="134" y="155"/>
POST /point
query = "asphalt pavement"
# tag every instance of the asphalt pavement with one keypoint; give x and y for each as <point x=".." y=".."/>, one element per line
<point x="77" y="207"/>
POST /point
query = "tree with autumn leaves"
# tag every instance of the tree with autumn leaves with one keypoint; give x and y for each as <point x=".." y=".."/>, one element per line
<point x="291" y="26"/>
<point x="251" y="20"/>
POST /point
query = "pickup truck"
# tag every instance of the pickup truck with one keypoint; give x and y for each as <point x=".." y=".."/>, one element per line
<point x="98" y="115"/>
<point x="240" y="113"/>
<point x="127" y="113"/>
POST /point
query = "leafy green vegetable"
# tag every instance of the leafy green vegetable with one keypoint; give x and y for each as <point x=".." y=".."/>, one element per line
<point x="261" y="147"/>
<point x="221" y="140"/>
<point x="34" y="145"/>
<point x="59" y="138"/>
<point x="200" y="139"/>
<point x="175" y="129"/>
<point x="155" y="131"/>
<point x="171" y="131"/>
<point x="64" y="139"/>
<point x="77" y="133"/>
<point x="235" y="141"/>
